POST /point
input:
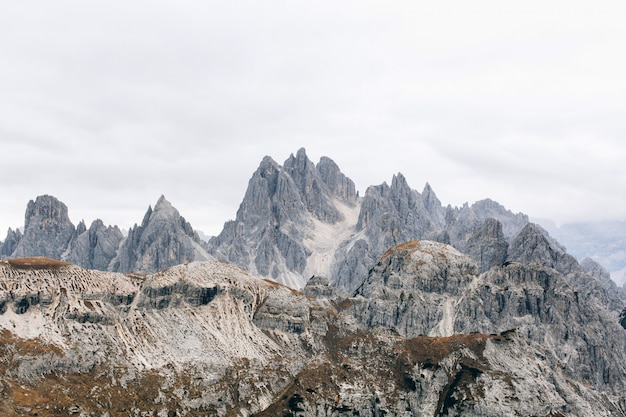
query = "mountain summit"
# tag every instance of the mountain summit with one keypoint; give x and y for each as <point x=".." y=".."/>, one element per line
<point x="300" y="219"/>
<point x="290" y="215"/>
<point x="163" y="239"/>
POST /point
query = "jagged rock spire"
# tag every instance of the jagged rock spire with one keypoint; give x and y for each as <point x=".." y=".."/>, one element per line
<point x="47" y="230"/>
<point x="164" y="239"/>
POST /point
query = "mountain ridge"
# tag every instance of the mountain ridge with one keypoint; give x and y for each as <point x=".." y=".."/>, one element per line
<point x="406" y="308"/>
<point x="296" y="220"/>
<point x="426" y="334"/>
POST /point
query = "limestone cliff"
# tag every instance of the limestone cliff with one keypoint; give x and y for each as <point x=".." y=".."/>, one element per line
<point x="47" y="229"/>
<point x="425" y="335"/>
<point x="163" y="239"/>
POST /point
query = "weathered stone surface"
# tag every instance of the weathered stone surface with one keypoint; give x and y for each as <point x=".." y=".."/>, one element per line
<point x="431" y="289"/>
<point x="10" y="243"/>
<point x="487" y="245"/>
<point x="338" y="184"/>
<point x="94" y="248"/>
<point x="206" y="338"/>
<point x="312" y="189"/>
<point x="319" y="287"/>
<point x="301" y="219"/>
<point x="47" y="229"/>
<point x="533" y="244"/>
<point x="163" y="239"/>
<point x="282" y="207"/>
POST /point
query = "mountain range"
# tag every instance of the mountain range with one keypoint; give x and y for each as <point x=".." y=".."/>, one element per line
<point x="313" y="301"/>
<point x="296" y="220"/>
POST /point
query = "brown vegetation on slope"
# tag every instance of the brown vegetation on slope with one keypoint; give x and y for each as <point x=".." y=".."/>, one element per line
<point x="35" y="263"/>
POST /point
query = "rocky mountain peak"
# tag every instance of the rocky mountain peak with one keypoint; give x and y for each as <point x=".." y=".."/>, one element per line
<point x="10" y="243"/>
<point x="531" y="245"/>
<point x="338" y="184"/>
<point x="488" y="245"/>
<point x="47" y="230"/>
<point x="95" y="247"/>
<point x="48" y="209"/>
<point x="81" y="227"/>
<point x="164" y="211"/>
<point x="163" y="204"/>
<point x="164" y="239"/>
<point x="312" y="189"/>
<point x="420" y="264"/>
<point x="433" y="205"/>
<point x="512" y="223"/>
<point x="282" y="208"/>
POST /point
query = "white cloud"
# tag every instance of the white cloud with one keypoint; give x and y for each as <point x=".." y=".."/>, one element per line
<point x="108" y="105"/>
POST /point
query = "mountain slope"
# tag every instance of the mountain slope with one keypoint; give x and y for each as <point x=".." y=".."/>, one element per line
<point x="209" y="339"/>
<point x="47" y="229"/>
<point x="163" y="239"/>
<point x="285" y="211"/>
<point x="299" y="219"/>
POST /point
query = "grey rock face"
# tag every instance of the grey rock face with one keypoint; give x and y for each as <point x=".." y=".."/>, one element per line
<point x="10" y="243"/>
<point x="394" y="214"/>
<point x="292" y="212"/>
<point x="603" y="277"/>
<point x="433" y="207"/>
<point x="163" y="239"/>
<point x="265" y="230"/>
<point x="277" y="214"/>
<point x="389" y="216"/>
<point x="94" y="248"/>
<point x="312" y="189"/>
<point x="338" y="184"/>
<point x="534" y="245"/>
<point x="319" y="287"/>
<point x="410" y="289"/>
<point x="488" y="245"/>
<point x="431" y="289"/>
<point x="47" y="230"/>
<point x="206" y="338"/>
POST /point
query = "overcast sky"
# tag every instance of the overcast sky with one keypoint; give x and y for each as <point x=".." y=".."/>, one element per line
<point x="109" y="104"/>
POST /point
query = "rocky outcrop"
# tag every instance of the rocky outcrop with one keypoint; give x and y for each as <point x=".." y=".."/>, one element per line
<point x="312" y="189"/>
<point x="94" y="248"/>
<point x="207" y="338"/>
<point x="339" y="186"/>
<point x="299" y="219"/>
<point x="283" y="216"/>
<point x="426" y="288"/>
<point x="10" y="243"/>
<point x="319" y="287"/>
<point x="488" y="245"/>
<point x="163" y="239"/>
<point x="47" y="230"/>
<point x="533" y="244"/>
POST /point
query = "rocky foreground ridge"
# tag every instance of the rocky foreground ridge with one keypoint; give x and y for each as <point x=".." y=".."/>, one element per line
<point x="425" y="334"/>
